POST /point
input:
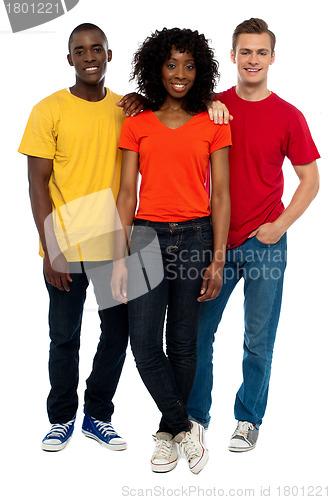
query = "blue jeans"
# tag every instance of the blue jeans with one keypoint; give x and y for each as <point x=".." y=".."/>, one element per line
<point x="65" y="318"/>
<point x="186" y="249"/>
<point x="262" y="267"/>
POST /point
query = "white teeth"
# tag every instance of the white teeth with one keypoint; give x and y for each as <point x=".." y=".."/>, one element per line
<point x="252" y="70"/>
<point x="91" y="69"/>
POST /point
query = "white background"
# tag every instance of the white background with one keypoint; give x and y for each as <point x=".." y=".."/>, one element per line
<point x="295" y="438"/>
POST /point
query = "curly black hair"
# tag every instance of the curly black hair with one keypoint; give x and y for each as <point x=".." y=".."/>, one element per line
<point x="156" y="49"/>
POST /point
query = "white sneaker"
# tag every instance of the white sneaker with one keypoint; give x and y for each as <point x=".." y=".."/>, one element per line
<point x="244" y="437"/>
<point x="165" y="455"/>
<point x="192" y="444"/>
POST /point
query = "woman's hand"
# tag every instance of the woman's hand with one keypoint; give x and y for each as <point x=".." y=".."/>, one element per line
<point x="119" y="281"/>
<point x="212" y="281"/>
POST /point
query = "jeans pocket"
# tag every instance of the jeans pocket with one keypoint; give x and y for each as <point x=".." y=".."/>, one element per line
<point x="205" y="234"/>
<point x="137" y="234"/>
<point x="267" y="245"/>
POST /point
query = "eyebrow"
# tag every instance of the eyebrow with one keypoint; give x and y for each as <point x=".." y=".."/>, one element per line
<point x="258" y="50"/>
<point x="93" y="45"/>
<point x="186" y="60"/>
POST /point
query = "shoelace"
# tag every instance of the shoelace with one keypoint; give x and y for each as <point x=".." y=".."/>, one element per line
<point x="105" y="428"/>
<point x="163" y="448"/>
<point x="188" y="446"/>
<point x="243" y="428"/>
<point x="59" y="430"/>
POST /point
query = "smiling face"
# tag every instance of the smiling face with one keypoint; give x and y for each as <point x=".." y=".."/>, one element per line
<point x="178" y="74"/>
<point x="89" y="55"/>
<point x="253" y="57"/>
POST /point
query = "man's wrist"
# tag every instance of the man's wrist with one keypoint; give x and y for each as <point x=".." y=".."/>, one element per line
<point x="281" y="225"/>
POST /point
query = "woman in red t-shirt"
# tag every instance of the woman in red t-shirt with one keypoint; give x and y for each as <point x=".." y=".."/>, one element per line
<point x="170" y="145"/>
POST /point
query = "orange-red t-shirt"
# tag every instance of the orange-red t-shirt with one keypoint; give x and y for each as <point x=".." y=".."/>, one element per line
<point x="173" y="164"/>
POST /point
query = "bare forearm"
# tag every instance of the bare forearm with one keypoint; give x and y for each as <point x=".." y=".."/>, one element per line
<point x="220" y="202"/>
<point x="306" y="191"/>
<point x="303" y="196"/>
<point x="126" y="206"/>
<point x="220" y="210"/>
<point x="39" y="172"/>
<point x="41" y="208"/>
<point x="212" y="279"/>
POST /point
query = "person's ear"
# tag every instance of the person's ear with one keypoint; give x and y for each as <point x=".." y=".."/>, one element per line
<point x="233" y="57"/>
<point x="109" y="53"/>
<point x="273" y="58"/>
<point x="69" y="59"/>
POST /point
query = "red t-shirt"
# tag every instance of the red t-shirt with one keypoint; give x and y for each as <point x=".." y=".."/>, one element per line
<point x="173" y="164"/>
<point x="263" y="133"/>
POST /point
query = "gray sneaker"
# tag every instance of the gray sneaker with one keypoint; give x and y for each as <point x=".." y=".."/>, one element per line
<point x="244" y="437"/>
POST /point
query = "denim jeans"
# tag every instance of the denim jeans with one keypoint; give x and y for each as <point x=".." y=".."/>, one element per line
<point x="186" y="249"/>
<point x="262" y="267"/>
<point x="65" y="318"/>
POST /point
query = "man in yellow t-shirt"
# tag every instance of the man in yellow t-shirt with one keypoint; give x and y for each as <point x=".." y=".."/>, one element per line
<point x="71" y="141"/>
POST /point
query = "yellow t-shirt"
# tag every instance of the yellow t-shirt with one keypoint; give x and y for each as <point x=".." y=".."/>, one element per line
<point x="81" y="137"/>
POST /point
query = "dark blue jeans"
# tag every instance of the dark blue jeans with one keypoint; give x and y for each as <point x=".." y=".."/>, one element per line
<point x="262" y="268"/>
<point x="65" y="318"/>
<point x="186" y="249"/>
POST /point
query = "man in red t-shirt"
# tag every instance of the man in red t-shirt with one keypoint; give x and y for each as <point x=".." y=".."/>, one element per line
<point x="265" y="130"/>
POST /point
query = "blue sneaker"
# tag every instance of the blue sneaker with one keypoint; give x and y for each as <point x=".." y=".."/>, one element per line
<point x="103" y="432"/>
<point x="58" y="437"/>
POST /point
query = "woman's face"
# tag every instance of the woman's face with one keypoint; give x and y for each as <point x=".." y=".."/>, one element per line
<point x="178" y="73"/>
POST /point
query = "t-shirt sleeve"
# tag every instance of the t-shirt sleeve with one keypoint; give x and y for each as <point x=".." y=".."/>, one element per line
<point x="116" y="97"/>
<point x="39" y="138"/>
<point x="129" y="137"/>
<point x="218" y="97"/>
<point x="300" y="147"/>
<point x="222" y="137"/>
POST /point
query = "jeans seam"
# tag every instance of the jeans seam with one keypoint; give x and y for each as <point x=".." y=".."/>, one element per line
<point x="213" y="330"/>
<point x="178" y="243"/>
<point x="266" y="350"/>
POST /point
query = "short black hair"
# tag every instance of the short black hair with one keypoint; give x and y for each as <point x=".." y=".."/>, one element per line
<point x="156" y="49"/>
<point x="86" y="27"/>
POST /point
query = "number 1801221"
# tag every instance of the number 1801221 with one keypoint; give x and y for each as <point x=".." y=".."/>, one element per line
<point x="33" y="8"/>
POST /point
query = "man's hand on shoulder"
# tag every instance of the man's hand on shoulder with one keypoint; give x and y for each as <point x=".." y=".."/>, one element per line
<point x="218" y="112"/>
<point x="132" y="104"/>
